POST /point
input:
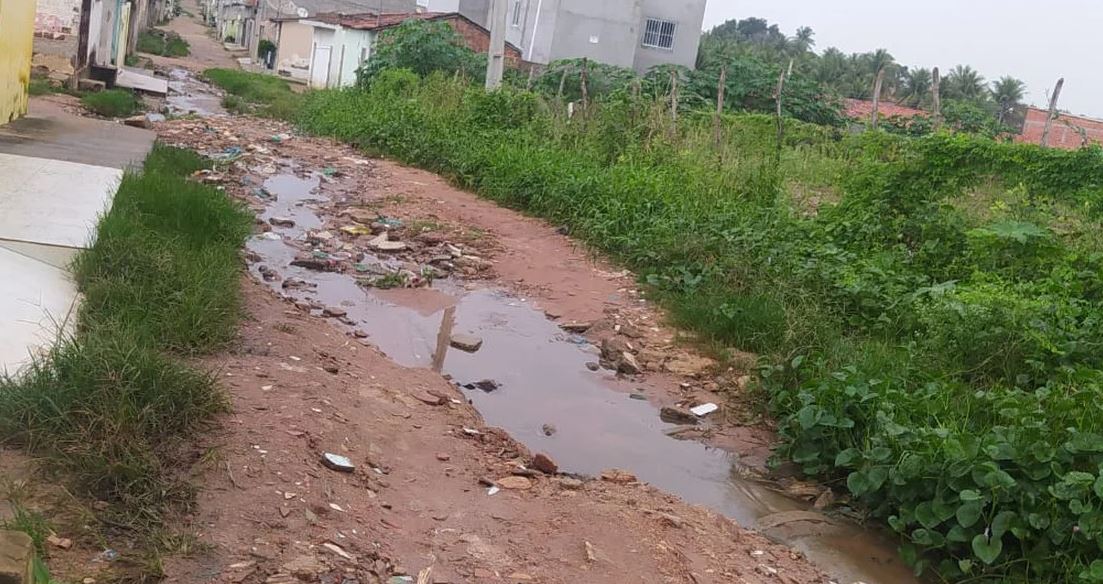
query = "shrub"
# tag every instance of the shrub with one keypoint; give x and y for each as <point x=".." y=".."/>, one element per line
<point x="266" y="94"/>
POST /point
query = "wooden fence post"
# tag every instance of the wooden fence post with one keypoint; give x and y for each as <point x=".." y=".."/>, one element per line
<point x="780" y="122"/>
<point x="1052" y="111"/>
<point x="936" y="98"/>
<point x="876" y="97"/>
<point x="585" y="83"/>
<point x="716" y="128"/>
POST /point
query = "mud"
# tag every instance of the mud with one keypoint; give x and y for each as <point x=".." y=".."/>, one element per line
<point x="544" y="382"/>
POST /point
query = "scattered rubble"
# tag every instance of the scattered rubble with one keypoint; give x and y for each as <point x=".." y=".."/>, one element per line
<point x="466" y="342"/>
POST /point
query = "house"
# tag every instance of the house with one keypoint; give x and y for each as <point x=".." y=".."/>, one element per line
<point x="637" y="34"/>
<point x="340" y="43"/>
<point x="271" y="12"/>
<point x="234" y="21"/>
<point x="79" y="38"/>
<point x="1067" y="131"/>
<point x="16" y="37"/>
<point x="862" y="109"/>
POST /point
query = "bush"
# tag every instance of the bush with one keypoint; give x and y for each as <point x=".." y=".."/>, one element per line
<point x="112" y="103"/>
<point x="946" y="370"/>
<point x="424" y="47"/>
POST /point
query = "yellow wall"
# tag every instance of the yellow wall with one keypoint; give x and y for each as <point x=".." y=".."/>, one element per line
<point x="16" y="40"/>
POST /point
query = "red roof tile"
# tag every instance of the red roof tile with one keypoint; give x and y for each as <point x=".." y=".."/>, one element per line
<point x="374" y="22"/>
<point x="861" y="109"/>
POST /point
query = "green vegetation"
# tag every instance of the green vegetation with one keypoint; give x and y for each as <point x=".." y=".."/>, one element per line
<point x="162" y="42"/>
<point x="756" y="42"/>
<point x="256" y="93"/>
<point x="41" y="86"/>
<point x="114" y="405"/>
<point x="930" y="309"/>
<point x="422" y="47"/>
<point x="112" y="103"/>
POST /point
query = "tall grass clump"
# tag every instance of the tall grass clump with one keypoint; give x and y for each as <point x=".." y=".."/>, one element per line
<point x="112" y="103"/>
<point x="940" y="362"/>
<point x="256" y="93"/>
<point x="113" y="406"/>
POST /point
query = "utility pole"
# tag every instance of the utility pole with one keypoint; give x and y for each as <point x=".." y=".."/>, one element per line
<point x="1052" y="111"/>
<point x="936" y="98"/>
<point x="495" y="62"/>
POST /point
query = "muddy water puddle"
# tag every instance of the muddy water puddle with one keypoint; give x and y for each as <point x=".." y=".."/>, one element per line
<point x="188" y="95"/>
<point x="545" y="385"/>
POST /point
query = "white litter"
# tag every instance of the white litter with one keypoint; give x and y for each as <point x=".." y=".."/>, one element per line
<point x="704" y="409"/>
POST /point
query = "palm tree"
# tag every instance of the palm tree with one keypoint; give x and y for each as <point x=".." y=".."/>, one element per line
<point x="916" y="86"/>
<point x="1007" y="92"/>
<point x="964" y="82"/>
<point x="804" y="39"/>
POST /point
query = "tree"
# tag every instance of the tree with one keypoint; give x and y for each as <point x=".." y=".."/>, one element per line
<point x="916" y="89"/>
<point x="804" y="40"/>
<point x="423" y="47"/>
<point x="964" y="82"/>
<point x="1008" y="93"/>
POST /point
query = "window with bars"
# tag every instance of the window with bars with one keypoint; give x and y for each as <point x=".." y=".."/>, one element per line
<point x="659" y="34"/>
<point x="517" y="13"/>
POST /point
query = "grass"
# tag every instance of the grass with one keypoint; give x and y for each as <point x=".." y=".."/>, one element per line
<point x="256" y="93"/>
<point x="41" y="86"/>
<point x="926" y="350"/>
<point x="114" y="406"/>
<point x="112" y="103"/>
<point x="163" y="43"/>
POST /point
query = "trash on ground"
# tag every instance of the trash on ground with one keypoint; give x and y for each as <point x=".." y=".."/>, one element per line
<point x="704" y="409"/>
<point x="337" y="462"/>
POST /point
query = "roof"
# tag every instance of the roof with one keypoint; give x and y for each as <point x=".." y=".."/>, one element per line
<point x="289" y="9"/>
<point x="860" y="109"/>
<point x="372" y="21"/>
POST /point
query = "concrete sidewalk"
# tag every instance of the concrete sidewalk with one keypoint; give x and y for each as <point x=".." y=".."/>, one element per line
<point x="60" y="173"/>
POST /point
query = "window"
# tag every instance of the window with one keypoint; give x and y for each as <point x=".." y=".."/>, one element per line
<point x="659" y="34"/>
<point x="423" y="3"/>
<point x="517" y="14"/>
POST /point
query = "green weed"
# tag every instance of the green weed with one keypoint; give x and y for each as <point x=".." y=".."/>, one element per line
<point x="270" y="95"/>
<point x="946" y="366"/>
<point x="114" y="405"/>
<point x="112" y="103"/>
<point x="164" y="43"/>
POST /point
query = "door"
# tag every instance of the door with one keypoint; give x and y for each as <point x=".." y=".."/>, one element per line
<point x="319" y="66"/>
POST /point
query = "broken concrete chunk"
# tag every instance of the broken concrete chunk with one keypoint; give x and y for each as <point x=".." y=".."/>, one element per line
<point x="576" y="326"/>
<point x="337" y="462"/>
<point x="465" y="342"/>
<point x="672" y="415"/>
<point x="544" y="464"/>
<point x="281" y="221"/>
<point x="487" y="385"/>
<point x="514" y="483"/>
<point x="16" y="555"/>
<point x="618" y="476"/>
<point x="383" y="243"/>
<point x="628" y="364"/>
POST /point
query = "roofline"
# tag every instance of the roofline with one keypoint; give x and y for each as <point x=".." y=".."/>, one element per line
<point x="432" y="16"/>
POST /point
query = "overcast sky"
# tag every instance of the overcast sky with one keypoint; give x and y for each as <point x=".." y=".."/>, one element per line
<point x="1033" y="41"/>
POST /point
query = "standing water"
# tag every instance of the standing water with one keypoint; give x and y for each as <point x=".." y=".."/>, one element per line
<point x="544" y="381"/>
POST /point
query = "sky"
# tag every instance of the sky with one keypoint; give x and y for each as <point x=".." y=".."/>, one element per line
<point x="1036" y="42"/>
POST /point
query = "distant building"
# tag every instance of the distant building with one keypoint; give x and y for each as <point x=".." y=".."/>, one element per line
<point x="73" y="37"/>
<point x="327" y="49"/>
<point x="637" y="34"/>
<point x="1067" y="131"/>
